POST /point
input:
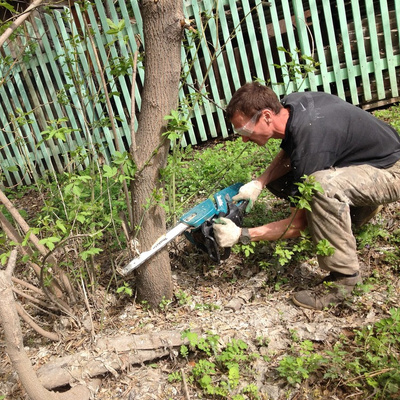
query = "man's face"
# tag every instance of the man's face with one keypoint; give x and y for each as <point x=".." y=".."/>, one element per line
<point x="255" y="129"/>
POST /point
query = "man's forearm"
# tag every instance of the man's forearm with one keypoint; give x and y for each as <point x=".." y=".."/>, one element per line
<point x="279" y="166"/>
<point x="290" y="227"/>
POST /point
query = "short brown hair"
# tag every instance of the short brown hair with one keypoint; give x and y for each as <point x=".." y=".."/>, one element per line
<point x="253" y="97"/>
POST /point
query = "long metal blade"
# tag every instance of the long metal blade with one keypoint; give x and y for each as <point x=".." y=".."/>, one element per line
<point x="157" y="246"/>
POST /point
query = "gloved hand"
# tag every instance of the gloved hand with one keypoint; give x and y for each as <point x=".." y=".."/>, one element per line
<point x="250" y="191"/>
<point x="226" y="232"/>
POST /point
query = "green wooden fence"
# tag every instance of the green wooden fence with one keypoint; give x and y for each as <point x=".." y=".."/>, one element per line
<point x="68" y="54"/>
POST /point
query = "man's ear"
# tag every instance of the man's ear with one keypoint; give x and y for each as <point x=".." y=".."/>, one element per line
<point x="267" y="114"/>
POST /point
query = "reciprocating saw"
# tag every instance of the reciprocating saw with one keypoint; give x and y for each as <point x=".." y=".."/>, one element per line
<point x="197" y="225"/>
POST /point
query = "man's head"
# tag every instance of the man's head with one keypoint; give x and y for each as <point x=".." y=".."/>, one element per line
<point x="256" y="113"/>
<point x="251" y="98"/>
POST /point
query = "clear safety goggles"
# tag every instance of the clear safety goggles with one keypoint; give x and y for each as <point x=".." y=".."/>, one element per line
<point x="248" y="128"/>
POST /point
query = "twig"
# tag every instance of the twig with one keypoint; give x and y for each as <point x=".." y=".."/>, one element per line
<point x="28" y="319"/>
<point x="88" y="307"/>
<point x="27" y="285"/>
<point x="33" y="299"/>
<point x="185" y="388"/>
<point x="372" y="374"/>
<point x="133" y="113"/>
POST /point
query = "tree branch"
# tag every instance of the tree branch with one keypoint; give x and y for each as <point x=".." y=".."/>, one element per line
<point x="8" y="32"/>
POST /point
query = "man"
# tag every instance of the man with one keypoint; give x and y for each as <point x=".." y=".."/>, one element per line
<point x="353" y="155"/>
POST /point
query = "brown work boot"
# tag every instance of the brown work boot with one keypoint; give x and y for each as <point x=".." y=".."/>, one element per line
<point x="333" y="290"/>
<point x="362" y="215"/>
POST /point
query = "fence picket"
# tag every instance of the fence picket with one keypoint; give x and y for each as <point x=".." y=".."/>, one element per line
<point x="376" y="58"/>
<point x="387" y="33"/>
<point x="362" y="56"/>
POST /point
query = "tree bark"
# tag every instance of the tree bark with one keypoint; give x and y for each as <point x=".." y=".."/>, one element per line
<point x="13" y="335"/>
<point x="110" y="355"/>
<point x="15" y="346"/>
<point x="162" y="40"/>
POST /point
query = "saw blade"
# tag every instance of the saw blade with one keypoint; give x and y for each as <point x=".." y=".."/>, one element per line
<point x="157" y="246"/>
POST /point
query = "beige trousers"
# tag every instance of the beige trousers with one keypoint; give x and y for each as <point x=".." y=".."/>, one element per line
<point x="350" y="190"/>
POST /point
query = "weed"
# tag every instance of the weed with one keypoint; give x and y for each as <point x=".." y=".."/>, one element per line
<point x="391" y="115"/>
<point x="369" y="234"/>
<point x="371" y="362"/>
<point x="220" y="373"/>
<point x="175" y="377"/>
<point x="125" y="289"/>
<point x="297" y="369"/>
<point x="183" y="298"/>
<point x="246" y="249"/>
<point x="164" y="304"/>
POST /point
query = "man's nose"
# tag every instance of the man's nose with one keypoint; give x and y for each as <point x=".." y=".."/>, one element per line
<point x="245" y="139"/>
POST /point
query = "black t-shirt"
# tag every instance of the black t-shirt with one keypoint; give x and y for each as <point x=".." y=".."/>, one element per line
<point x="324" y="131"/>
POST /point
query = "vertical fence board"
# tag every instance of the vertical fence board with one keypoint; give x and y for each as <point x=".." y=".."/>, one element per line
<point x="252" y="39"/>
<point x="266" y="44"/>
<point x="209" y="76"/>
<point x="302" y="30"/>
<point x="295" y="84"/>
<point x="6" y="138"/>
<point x="397" y="14"/>
<point x="90" y="76"/>
<point x="241" y="48"/>
<point x="387" y="33"/>
<point x="347" y="48"/>
<point x="362" y="57"/>
<point x="333" y="48"/>
<point x="376" y="58"/>
<point x="319" y="47"/>
<point x="131" y="30"/>
<point x="228" y="48"/>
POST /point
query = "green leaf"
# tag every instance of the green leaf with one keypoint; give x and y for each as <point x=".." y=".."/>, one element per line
<point x="91" y="252"/>
<point x="109" y="172"/>
<point x="49" y="242"/>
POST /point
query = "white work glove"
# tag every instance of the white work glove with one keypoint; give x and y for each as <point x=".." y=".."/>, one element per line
<point x="226" y="232"/>
<point x="250" y="191"/>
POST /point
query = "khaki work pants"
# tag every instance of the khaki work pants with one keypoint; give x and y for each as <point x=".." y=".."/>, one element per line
<point x="348" y="193"/>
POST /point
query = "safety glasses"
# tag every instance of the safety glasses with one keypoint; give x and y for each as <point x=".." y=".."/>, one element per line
<point x="248" y="128"/>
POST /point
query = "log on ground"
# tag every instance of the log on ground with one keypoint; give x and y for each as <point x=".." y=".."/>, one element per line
<point x="109" y="355"/>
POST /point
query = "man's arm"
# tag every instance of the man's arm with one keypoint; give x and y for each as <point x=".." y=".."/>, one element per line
<point x="279" y="166"/>
<point x="284" y="229"/>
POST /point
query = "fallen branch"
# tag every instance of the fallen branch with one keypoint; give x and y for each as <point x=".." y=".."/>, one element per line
<point x="109" y="355"/>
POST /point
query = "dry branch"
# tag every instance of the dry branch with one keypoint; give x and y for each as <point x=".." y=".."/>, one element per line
<point x="28" y="319"/>
<point x="8" y="32"/>
<point x="14" y="235"/>
<point x="109" y="355"/>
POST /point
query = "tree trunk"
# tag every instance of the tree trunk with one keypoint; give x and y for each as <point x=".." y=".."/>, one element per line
<point x="162" y="40"/>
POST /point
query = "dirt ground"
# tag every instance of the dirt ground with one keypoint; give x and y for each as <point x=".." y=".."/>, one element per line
<point x="236" y="299"/>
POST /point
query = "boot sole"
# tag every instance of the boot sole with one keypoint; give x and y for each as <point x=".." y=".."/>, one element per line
<point x="297" y="303"/>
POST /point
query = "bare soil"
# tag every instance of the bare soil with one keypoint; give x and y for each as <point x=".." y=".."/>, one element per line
<point x="236" y="299"/>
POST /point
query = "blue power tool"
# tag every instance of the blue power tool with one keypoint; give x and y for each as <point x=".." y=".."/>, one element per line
<point x="197" y="224"/>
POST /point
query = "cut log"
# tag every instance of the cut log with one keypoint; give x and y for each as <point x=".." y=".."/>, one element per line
<point x="109" y="355"/>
